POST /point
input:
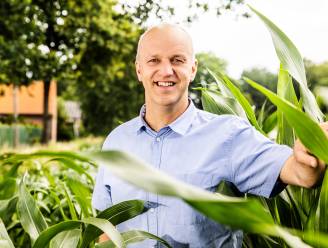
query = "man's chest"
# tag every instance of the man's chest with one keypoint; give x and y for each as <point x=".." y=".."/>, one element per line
<point x="195" y="160"/>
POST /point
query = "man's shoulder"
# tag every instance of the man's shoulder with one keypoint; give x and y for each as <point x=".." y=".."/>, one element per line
<point x="224" y="119"/>
<point x="120" y="132"/>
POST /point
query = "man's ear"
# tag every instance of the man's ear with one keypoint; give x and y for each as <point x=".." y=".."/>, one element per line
<point x="137" y="65"/>
<point x="194" y="69"/>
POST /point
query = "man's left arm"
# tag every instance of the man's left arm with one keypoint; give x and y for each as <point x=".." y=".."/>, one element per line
<point x="302" y="168"/>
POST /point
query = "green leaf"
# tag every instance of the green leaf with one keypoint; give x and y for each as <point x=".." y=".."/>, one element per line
<point x="82" y="195"/>
<point x="29" y="214"/>
<point x="14" y="158"/>
<point x="270" y="122"/>
<point x="8" y="188"/>
<point x="323" y="203"/>
<point x="292" y="61"/>
<point x="115" y="214"/>
<point x="70" y="203"/>
<point x="71" y="165"/>
<point x="69" y="239"/>
<point x="242" y="101"/>
<point x="5" y="240"/>
<point x="307" y="130"/>
<point x="216" y="103"/>
<point x="102" y="224"/>
<point x="246" y="214"/>
<point x="133" y="236"/>
<point x="286" y="91"/>
<point x="8" y="208"/>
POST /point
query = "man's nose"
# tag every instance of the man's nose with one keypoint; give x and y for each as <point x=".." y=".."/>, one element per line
<point x="166" y="69"/>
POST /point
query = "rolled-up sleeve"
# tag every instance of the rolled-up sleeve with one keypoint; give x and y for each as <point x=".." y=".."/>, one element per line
<point x="256" y="161"/>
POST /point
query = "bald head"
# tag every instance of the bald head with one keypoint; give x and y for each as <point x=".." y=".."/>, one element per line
<point x="164" y="34"/>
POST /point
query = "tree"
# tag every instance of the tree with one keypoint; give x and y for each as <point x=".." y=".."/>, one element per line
<point x="206" y="60"/>
<point x="141" y="11"/>
<point x="46" y="40"/>
<point x="265" y="78"/>
<point x="107" y="86"/>
<point x="317" y="74"/>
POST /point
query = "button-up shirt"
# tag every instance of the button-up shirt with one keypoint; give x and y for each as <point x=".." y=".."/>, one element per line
<point x="199" y="148"/>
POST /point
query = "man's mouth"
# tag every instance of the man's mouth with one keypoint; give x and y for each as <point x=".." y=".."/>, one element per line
<point x="165" y="83"/>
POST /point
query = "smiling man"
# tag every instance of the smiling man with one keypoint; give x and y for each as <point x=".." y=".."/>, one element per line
<point x="192" y="145"/>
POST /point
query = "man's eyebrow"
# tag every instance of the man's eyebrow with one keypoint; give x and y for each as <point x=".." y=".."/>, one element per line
<point x="151" y="56"/>
<point x="180" y="56"/>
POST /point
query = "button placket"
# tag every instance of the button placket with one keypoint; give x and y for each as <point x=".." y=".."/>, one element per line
<point x="156" y="161"/>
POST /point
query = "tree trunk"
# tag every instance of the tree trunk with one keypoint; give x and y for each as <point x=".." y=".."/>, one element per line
<point x="15" y="112"/>
<point x="46" y="127"/>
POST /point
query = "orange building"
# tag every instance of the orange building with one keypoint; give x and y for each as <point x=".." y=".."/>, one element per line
<point x="30" y="104"/>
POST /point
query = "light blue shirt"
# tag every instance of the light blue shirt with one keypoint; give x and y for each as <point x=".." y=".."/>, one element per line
<point x="199" y="148"/>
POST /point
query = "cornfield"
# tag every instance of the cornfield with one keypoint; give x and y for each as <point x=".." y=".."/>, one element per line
<point x="46" y="195"/>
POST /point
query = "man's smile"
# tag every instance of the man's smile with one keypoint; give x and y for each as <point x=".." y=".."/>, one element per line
<point x="165" y="83"/>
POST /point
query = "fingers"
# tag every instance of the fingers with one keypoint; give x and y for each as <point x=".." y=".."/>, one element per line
<point x="302" y="156"/>
<point x="324" y="127"/>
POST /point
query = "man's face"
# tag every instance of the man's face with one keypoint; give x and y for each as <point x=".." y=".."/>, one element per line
<point x="165" y="66"/>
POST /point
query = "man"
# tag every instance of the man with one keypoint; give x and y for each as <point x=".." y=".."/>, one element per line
<point x="197" y="147"/>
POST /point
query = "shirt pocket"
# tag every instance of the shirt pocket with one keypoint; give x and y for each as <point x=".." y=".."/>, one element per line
<point x="120" y="190"/>
<point x="179" y="212"/>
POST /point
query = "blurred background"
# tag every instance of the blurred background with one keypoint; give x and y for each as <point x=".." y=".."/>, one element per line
<point x="67" y="67"/>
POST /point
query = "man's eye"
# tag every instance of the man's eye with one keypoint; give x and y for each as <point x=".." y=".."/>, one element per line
<point x="153" y="61"/>
<point x="178" y="61"/>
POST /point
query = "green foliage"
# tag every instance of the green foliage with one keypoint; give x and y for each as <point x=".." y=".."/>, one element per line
<point x="267" y="79"/>
<point x="107" y="86"/>
<point x="64" y="129"/>
<point x="206" y="61"/>
<point x="316" y="74"/>
<point x="52" y="203"/>
<point x="28" y="134"/>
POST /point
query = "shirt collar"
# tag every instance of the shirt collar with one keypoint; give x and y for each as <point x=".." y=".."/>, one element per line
<point x="180" y="125"/>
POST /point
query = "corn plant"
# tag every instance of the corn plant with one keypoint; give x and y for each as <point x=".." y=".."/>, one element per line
<point x="50" y="205"/>
<point x="295" y="218"/>
<point x="49" y="208"/>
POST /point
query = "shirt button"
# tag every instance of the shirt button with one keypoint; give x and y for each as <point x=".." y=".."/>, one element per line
<point x="158" y="139"/>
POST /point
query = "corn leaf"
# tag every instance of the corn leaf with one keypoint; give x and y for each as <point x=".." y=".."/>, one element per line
<point x="134" y="236"/>
<point x="81" y="194"/>
<point x="286" y="91"/>
<point x="292" y="61"/>
<point x="45" y="237"/>
<point x="70" y="203"/>
<point x="115" y="214"/>
<point x="307" y="130"/>
<point x="270" y="122"/>
<point x="323" y="202"/>
<point x="241" y="99"/>
<point x="216" y="103"/>
<point x="246" y="214"/>
<point x="8" y="208"/>
<point x="29" y="214"/>
<point x="5" y="240"/>
<point x="74" y="166"/>
<point x="69" y="239"/>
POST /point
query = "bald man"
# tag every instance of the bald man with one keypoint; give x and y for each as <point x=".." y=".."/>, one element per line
<point x="192" y="145"/>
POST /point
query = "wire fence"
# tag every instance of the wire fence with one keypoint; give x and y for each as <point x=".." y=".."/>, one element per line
<point x="27" y="134"/>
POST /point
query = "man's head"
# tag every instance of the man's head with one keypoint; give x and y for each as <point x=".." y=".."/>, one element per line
<point x="165" y="64"/>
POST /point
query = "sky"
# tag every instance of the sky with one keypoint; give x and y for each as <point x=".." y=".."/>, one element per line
<point x="245" y="42"/>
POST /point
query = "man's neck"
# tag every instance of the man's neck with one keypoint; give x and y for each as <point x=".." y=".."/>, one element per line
<point x="158" y="117"/>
